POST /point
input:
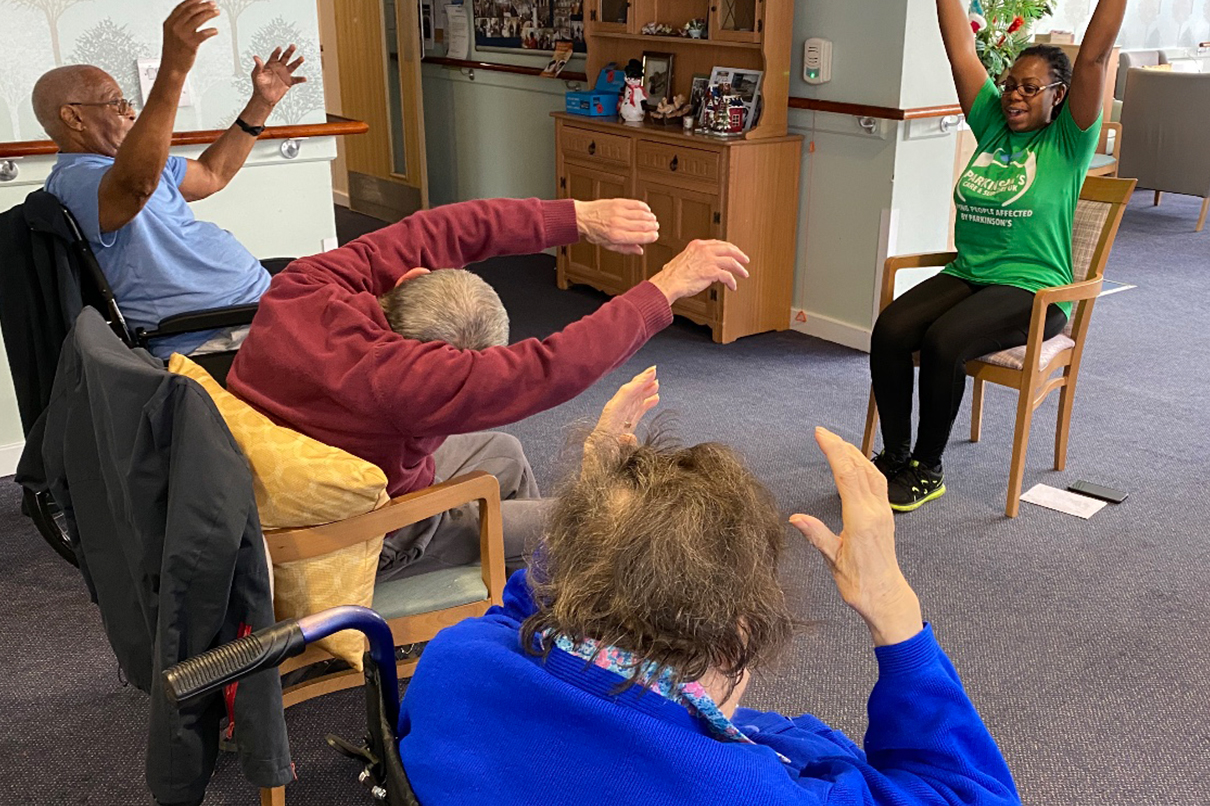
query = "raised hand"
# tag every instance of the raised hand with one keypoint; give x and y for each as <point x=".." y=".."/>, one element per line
<point x="273" y="78"/>
<point x="862" y="557"/>
<point x="633" y="399"/>
<point x="619" y="225"/>
<point x="702" y="263"/>
<point x="182" y="37"/>
<point x="621" y="415"/>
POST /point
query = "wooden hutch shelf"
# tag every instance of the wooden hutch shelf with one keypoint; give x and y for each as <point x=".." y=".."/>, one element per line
<point x="742" y="190"/>
<point x="659" y="42"/>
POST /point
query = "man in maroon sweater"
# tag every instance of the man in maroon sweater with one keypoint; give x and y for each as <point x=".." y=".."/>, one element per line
<point x="322" y="359"/>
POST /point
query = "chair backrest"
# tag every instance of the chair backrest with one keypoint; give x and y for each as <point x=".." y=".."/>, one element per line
<point x="1134" y="58"/>
<point x="94" y="288"/>
<point x="1098" y="214"/>
<point x="1167" y="139"/>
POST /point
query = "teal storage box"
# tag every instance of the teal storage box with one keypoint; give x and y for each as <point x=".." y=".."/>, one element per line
<point x="602" y="99"/>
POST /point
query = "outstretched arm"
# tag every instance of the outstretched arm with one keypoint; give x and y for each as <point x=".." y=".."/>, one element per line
<point x="925" y="743"/>
<point x="139" y="162"/>
<point x="969" y="73"/>
<point x="216" y="166"/>
<point x="1088" y="77"/>
<point x="456" y="235"/>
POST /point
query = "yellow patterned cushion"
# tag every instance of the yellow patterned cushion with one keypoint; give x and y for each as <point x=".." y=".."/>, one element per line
<point x="299" y="482"/>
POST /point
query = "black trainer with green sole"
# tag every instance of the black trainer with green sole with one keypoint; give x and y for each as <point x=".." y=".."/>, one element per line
<point x="914" y="486"/>
<point x="889" y="464"/>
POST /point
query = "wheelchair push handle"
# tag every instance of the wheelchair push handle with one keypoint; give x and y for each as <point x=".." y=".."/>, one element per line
<point x="217" y="667"/>
<point x="267" y="648"/>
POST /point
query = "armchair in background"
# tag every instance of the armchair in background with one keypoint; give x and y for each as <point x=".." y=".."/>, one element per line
<point x="1169" y="148"/>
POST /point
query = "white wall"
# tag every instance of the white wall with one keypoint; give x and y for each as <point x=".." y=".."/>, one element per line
<point x="491" y="136"/>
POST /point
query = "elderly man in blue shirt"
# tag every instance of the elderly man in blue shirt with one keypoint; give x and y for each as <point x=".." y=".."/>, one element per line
<point x="131" y="198"/>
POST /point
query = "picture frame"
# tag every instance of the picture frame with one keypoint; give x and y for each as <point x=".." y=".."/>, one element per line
<point x="657" y="76"/>
<point x="744" y="82"/>
<point x="697" y="91"/>
<point x="503" y="25"/>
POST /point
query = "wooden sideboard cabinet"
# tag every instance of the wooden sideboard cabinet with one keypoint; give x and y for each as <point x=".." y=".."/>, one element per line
<point x="698" y="186"/>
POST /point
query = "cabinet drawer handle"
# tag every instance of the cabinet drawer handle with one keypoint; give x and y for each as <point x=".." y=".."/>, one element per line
<point x="592" y="148"/>
<point x="672" y="165"/>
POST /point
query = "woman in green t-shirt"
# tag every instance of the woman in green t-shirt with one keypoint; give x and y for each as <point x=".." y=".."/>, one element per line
<point x="1037" y="130"/>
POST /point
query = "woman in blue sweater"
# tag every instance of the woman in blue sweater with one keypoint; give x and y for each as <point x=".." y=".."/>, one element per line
<point x="613" y="671"/>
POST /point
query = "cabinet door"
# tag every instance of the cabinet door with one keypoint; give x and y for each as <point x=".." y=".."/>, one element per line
<point x="588" y="263"/>
<point x="684" y="215"/>
<point x="737" y="20"/>
<point x="609" y="16"/>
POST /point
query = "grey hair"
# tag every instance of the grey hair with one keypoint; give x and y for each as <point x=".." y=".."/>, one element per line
<point x="451" y="305"/>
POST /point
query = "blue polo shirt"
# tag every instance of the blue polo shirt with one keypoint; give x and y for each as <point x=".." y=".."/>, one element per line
<point x="164" y="262"/>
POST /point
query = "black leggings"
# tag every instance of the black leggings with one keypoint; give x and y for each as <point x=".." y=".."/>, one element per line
<point x="950" y="321"/>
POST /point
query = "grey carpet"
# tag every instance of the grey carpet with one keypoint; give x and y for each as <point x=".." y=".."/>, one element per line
<point x="1081" y="642"/>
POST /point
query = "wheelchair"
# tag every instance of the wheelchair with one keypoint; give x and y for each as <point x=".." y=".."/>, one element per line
<point x="52" y="233"/>
<point x="382" y="770"/>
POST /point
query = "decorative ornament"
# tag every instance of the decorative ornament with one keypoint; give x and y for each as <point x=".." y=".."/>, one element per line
<point x="630" y="104"/>
<point x="975" y="15"/>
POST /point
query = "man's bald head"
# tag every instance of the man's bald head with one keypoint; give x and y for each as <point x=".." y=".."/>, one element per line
<point x="71" y="83"/>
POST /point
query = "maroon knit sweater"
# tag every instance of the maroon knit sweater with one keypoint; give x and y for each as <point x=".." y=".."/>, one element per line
<point x="321" y="359"/>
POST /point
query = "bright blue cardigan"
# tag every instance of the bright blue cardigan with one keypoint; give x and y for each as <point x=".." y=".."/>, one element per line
<point x="484" y="722"/>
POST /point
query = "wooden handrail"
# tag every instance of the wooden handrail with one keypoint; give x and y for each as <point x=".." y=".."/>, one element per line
<point x="867" y="111"/>
<point x="839" y="107"/>
<point x="502" y="68"/>
<point x="335" y="126"/>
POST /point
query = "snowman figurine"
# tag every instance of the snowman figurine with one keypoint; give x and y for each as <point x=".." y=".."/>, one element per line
<point x="630" y="104"/>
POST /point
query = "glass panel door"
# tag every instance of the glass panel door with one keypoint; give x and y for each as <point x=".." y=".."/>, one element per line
<point x="737" y="20"/>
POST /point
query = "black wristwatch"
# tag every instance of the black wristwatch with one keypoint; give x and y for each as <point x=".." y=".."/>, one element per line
<point x="255" y="131"/>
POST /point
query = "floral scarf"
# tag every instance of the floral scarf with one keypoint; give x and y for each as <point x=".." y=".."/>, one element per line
<point x="692" y="695"/>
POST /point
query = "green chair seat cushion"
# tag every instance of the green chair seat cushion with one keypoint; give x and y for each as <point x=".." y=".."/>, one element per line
<point x="436" y="590"/>
<point x="1100" y="161"/>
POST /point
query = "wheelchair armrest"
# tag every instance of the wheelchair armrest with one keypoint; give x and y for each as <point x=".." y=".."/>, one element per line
<point x="212" y="319"/>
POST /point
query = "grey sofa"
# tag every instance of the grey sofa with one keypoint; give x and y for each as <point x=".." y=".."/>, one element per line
<point x="1166" y="133"/>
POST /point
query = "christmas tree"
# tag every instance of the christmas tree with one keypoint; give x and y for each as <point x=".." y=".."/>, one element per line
<point x="1002" y="29"/>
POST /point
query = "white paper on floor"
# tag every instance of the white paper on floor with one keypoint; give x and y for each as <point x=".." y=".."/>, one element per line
<point x="1072" y="503"/>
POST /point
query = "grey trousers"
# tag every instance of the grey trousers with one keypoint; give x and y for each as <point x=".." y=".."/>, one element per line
<point x="452" y="538"/>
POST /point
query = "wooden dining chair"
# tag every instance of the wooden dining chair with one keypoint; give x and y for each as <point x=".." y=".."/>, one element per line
<point x="1105" y="163"/>
<point x="1031" y="368"/>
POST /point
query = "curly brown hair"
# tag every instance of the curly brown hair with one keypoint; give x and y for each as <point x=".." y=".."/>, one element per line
<point x="670" y="553"/>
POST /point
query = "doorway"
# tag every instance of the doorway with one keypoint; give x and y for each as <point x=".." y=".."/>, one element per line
<point x="372" y="53"/>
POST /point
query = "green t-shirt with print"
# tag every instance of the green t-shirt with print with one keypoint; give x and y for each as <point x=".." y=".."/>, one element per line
<point x="1017" y="198"/>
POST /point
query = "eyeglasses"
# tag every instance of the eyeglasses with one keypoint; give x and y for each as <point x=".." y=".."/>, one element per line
<point x="1008" y="87"/>
<point x="120" y="105"/>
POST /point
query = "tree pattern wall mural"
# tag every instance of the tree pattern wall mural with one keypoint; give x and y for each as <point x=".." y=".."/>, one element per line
<point x="115" y="34"/>
<point x="53" y="9"/>
<point x="22" y="60"/>
<point x="233" y="9"/>
<point x="301" y="100"/>
<point x="116" y="51"/>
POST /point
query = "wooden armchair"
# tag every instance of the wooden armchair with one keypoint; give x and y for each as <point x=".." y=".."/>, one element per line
<point x="1103" y="162"/>
<point x="415" y="607"/>
<point x="1029" y="368"/>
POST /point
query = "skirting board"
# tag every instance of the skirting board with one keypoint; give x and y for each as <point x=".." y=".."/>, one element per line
<point x="9" y="454"/>
<point x="340" y="198"/>
<point x="830" y="329"/>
